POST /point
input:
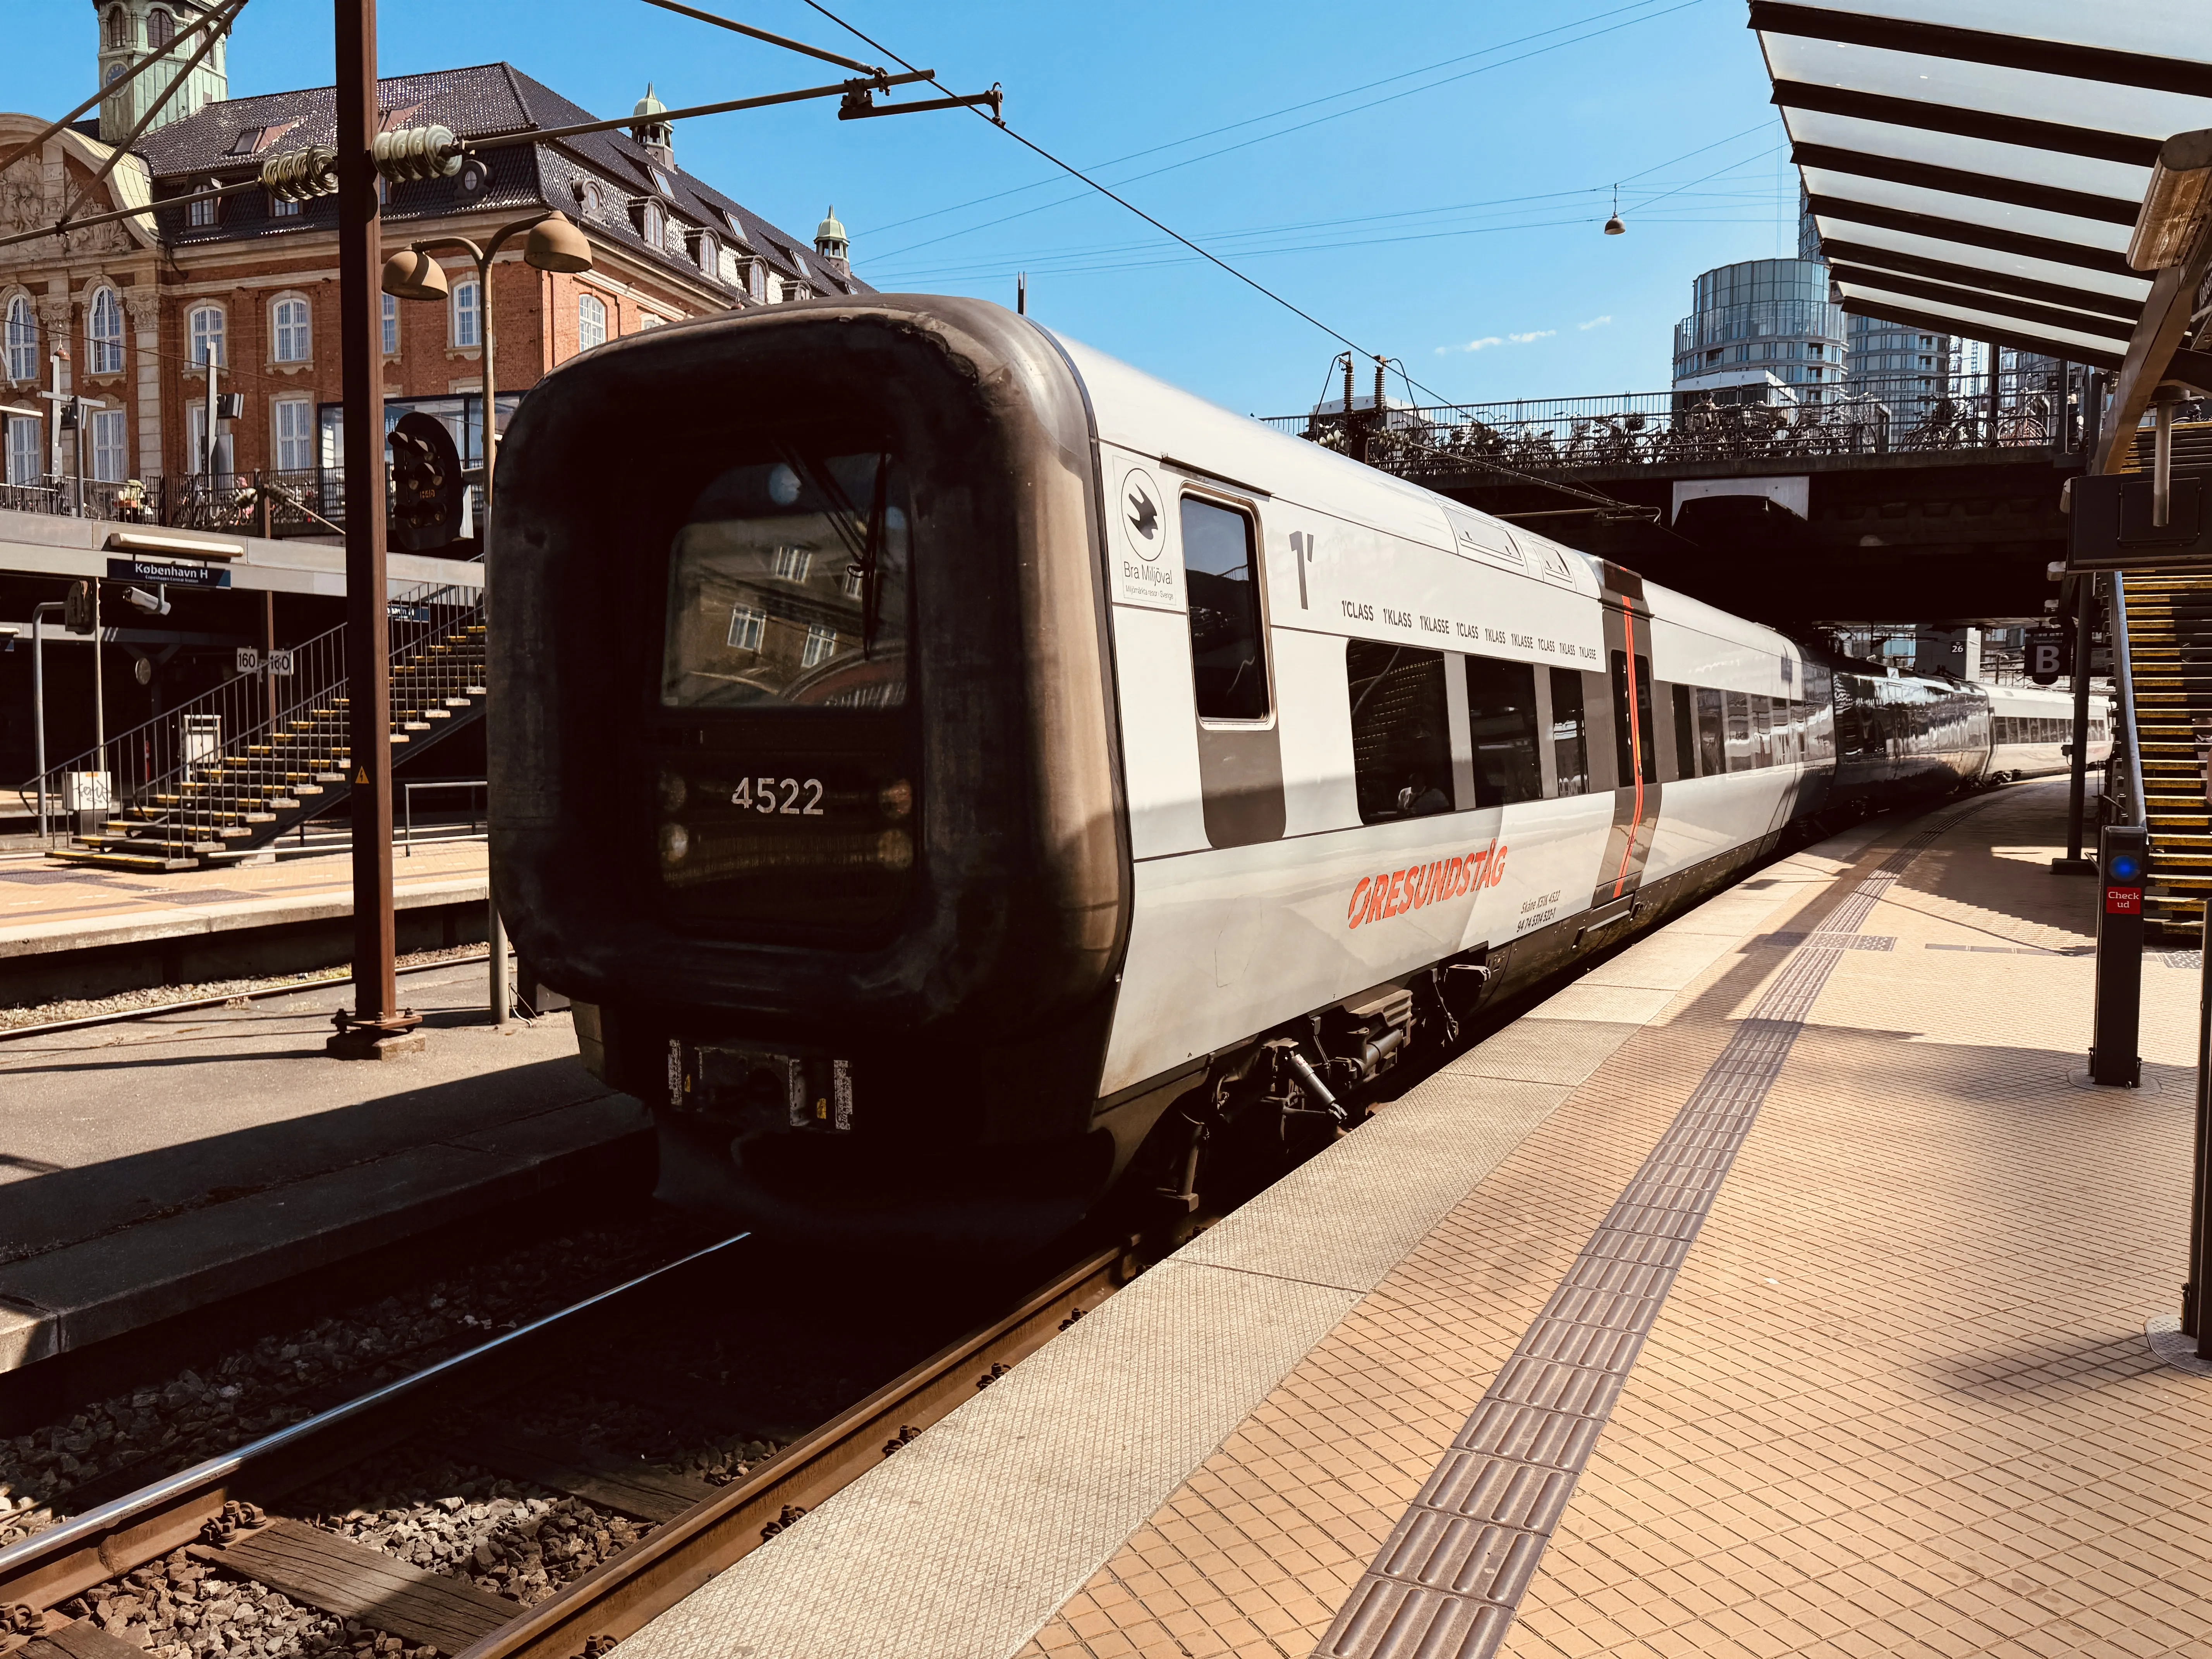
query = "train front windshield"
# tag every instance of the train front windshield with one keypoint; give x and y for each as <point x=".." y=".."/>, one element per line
<point x="788" y="586"/>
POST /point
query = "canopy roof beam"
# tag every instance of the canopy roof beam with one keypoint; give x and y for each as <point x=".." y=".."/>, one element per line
<point x="1974" y="328"/>
<point x="1938" y="229"/>
<point x="2063" y="58"/>
<point x="1967" y="299"/>
<point x="1996" y="282"/>
<point x="2161" y="332"/>
<point x="1955" y="181"/>
<point x="2122" y="147"/>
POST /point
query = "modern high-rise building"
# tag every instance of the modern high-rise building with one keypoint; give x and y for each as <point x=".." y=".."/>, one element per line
<point x="1764" y="329"/>
<point x="1904" y="368"/>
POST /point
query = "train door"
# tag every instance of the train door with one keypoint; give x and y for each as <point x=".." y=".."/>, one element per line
<point x="1240" y="756"/>
<point x="1635" y="738"/>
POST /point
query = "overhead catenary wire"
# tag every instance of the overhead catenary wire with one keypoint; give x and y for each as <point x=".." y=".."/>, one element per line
<point x="1292" y="109"/>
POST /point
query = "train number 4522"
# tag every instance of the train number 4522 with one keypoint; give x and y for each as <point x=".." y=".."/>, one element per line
<point x="798" y="798"/>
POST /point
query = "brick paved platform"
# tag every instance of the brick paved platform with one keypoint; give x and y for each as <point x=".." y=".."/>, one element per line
<point x="1798" y="1309"/>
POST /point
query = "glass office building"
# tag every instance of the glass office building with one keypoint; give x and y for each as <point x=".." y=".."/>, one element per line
<point x="1757" y="320"/>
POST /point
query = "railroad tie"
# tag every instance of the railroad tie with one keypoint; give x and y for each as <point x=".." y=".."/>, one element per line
<point x="80" y="1638"/>
<point x="355" y="1582"/>
<point x="648" y="1494"/>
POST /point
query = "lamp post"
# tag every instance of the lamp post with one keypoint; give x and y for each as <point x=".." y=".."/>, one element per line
<point x="555" y="245"/>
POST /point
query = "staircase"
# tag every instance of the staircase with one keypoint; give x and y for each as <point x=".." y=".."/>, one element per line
<point x="2170" y="647"/>
<point x="221" y="778"/>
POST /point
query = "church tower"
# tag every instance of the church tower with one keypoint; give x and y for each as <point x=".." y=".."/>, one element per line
<point x="132" y="31"/>
<point x="657" y="135"/>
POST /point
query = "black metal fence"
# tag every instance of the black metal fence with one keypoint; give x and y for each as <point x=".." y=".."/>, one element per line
<point x="263" y="502"/>
<point x="1908" y="415"/>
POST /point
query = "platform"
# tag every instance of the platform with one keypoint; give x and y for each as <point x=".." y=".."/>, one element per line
<point x="150" y="1170"/>
<point x="1778" y="1288"/>
<point x="68" y="930"/>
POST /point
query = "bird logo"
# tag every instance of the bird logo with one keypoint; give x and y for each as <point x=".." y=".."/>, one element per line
<point x="1144" y="517"/>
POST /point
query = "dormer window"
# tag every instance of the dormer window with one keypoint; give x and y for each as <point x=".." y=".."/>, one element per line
<point x="710" y="253"/>
<point x="590" y="198"/>
<point x="653" y="222"/>
<point x="247" y="141"/>
<point x="206" y="209"/>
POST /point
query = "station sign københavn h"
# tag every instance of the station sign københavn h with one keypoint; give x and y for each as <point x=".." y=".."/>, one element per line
<point x="174" y="573"/>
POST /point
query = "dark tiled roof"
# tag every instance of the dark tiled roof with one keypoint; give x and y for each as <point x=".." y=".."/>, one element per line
<point x="478" y="102"/>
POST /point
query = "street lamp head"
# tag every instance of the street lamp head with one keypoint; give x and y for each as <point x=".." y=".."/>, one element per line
<point x="414" y="275"/>
<point x="556" y="245"/>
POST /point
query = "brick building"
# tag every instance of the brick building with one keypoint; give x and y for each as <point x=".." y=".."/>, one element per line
<point x="141" y="305"/>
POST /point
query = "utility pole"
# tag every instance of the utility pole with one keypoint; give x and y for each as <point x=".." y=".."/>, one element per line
<point x="378" y="1028"/>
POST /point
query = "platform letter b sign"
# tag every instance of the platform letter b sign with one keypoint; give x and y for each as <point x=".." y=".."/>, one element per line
<point x="2046" y="649"/>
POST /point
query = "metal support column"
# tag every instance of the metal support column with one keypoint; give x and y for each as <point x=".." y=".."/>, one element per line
<point x="2193" y="1323"/>
<point x="377" y="1027"/>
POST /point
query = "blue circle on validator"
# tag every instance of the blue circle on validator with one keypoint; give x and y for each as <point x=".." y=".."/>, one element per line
<point x="2126" y="868"/>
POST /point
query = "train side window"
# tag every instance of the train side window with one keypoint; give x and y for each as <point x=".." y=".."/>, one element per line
<point x="1762" y="731"/>
<point x="1501" y="708"/>
<point x="1402" y="762"/>
<point x="1229" y="663"/>
<point x="1641" y="742"/>
<point x="1686" y="734"/>
<point x="1712" y="732"/>
<point x="1739" y="732"/>
<point x="1570" y="731"/>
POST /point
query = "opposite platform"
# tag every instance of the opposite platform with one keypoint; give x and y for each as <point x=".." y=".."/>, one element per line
<point x="1777" y="1288"/>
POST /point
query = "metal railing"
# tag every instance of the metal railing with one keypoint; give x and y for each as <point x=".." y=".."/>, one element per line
<point x="265" y="501"/>
<point x="205" y="773"/>
<point x="1654" y="429"/>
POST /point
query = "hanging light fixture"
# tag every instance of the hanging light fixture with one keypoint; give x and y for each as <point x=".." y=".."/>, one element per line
<point x="1613" y="226"/>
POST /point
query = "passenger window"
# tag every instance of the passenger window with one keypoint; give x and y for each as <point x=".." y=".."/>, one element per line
<point x="1402" y="762"/>
<point x="1228" y="662"/>
<point x="1632" y="748"/>
<point x="1712" y="756"/>
<point x="1762" y="731"/>
<point x="1686" y="735"/>
<point x="1739" y="732"/>
<point x="1501" y="708"/>
<point x="1569" y="732"/>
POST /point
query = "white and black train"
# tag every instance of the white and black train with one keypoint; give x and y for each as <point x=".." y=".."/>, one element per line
<point x="959" y="775"/>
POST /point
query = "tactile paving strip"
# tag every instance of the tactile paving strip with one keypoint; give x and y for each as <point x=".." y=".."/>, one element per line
<point x="1447" y="1580"/>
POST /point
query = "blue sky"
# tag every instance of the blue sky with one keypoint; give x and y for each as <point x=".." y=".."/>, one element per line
<point x="1430" y="180"/>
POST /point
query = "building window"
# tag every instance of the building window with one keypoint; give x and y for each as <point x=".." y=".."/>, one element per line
<point x="589" y="198"/>
<point x="295" y="435"/>
<point x="118" y="28"/>
<point x="591" y="322"/>
<point x="27" y="455"/>
<point x="391" y="325"/>
<point x="791" y="563"/>
<point x="710" y="253"/>
<point x="207" y="332"/>
<point x="109" y="459"/>
<point x="654" y="223"/>
<point x="746" y="626"/>
<point x="103" y="333"/>
<point x="280" y="209"/>
<point x="660" y="183"/>
<point x="290" y="319"/>
<point x="22" y="340"/>
<point x="856" y="581"/>
<point x="468" y="314"/>
<point x="821" y="645"/>
<point x="206" y="209"/>
<point x="160" y="30"/>
<point x="645" y="319"/>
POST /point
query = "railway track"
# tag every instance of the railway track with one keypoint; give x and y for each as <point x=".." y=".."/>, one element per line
<point x="229" y="1512"/>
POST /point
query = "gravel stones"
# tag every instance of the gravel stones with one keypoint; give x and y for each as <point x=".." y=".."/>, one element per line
<point x="175" y="1608"/>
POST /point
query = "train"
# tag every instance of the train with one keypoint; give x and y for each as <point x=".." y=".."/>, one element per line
<point x="970" y="787"/>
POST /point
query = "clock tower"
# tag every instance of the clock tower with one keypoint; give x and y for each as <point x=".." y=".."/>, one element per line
<point x="132" y="31"/>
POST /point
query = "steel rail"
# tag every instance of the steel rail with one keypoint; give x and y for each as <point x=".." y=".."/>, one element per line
<point x="623" y="1593"/>
<point x="194" y="1005"/>
<point x="89" y="1549"/>
<point x="661" y="1569"/>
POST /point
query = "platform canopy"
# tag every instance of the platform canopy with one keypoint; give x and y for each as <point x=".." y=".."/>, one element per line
<point x="1988" y="168"/>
